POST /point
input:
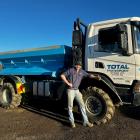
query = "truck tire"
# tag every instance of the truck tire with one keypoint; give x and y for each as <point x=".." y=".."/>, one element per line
<point x="8" y="97"/>
<point x="99" y="106"/>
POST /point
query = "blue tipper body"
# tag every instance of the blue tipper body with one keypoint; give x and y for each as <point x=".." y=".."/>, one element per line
<point x="38" y="61"/>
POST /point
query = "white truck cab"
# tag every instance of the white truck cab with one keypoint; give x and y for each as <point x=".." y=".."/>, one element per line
<point x="104" y="54"/>
<point x="110" y="49"/>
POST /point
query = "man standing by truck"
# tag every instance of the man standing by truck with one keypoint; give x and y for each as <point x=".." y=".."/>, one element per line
<point x="72" y="77"/>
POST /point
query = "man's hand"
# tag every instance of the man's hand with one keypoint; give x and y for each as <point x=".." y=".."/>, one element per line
<point x="66" y="81"/>
<point x="70" y="85"/>
<point x="98" y="77"/>
<point x="95" y="77"/>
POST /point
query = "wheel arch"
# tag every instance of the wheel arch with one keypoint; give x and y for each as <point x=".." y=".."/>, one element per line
<point x="105" y="85"/>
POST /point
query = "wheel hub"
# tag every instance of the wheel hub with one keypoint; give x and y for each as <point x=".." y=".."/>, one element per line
<point x="93" y="105"/>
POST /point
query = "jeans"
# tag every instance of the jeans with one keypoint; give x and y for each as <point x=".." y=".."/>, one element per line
<point x="75" y="94"/>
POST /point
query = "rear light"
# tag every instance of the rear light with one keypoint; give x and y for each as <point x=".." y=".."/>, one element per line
<point x="20" y="88"/>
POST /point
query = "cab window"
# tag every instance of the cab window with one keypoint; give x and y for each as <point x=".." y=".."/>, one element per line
<point x="108" y="40"/>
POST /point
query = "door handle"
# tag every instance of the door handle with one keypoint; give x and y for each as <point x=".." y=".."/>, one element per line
<point x="99" y="65"/>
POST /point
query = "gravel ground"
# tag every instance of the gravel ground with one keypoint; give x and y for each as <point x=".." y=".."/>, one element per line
<point x="38" y="122"/>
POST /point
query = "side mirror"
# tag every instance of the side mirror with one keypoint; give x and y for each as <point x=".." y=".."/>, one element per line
<point x="122" y="38"/>
<point x="77" y="38"/>
<point x="124" y="43"/>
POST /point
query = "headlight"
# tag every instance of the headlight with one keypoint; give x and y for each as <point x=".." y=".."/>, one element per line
<point x="136" y="88"/>
<point x="136" y="93"/>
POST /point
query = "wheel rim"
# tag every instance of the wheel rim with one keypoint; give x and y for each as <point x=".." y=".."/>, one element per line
<point x="7" y="96"/>
<point x="94" y="105"/>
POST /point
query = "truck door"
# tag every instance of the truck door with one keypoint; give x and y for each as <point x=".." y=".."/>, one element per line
<point x="108" y="57"/>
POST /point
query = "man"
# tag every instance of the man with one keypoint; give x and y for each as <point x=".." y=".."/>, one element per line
<point x="72" y="77"/>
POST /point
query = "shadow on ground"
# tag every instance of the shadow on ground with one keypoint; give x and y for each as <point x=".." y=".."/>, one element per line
<point x="130" y="111"/>
<point x="52" y="109"/>
<point x="55" y="110"/>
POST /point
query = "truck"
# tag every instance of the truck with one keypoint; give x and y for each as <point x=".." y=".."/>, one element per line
<point x="109" y="49"/>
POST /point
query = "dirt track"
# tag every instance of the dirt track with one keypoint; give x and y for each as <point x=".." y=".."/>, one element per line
<point x="37" y="122"/>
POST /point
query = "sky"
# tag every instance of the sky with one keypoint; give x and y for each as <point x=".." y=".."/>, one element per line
<point x="40" y="23"/>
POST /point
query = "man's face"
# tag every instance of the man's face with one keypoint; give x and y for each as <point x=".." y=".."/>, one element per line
<point x="78" y="67"/>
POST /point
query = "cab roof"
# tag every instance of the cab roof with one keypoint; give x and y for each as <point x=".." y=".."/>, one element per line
<point x="116" y="20"/>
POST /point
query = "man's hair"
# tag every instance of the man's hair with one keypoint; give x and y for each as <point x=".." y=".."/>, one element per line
<point x="78" y="63"/>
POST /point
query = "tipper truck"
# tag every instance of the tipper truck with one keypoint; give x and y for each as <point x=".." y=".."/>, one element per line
<point x="109" y="49"/>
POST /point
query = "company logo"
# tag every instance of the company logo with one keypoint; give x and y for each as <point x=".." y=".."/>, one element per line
<point x="118" y="67"/>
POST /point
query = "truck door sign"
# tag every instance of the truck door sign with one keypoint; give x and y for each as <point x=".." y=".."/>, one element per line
<point x="117" y="69"/>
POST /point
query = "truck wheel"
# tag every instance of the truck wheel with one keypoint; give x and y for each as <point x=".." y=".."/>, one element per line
<point x="99" y="106"/>
<point x="8" y="97"/>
